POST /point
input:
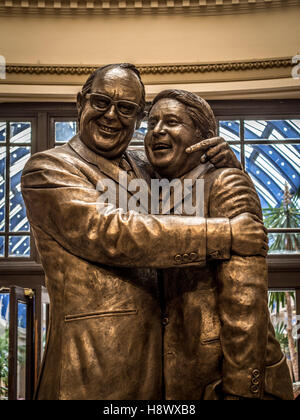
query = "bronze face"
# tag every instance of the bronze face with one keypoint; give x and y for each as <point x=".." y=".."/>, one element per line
<point x="107" y="127"/>
<point x="170" y="132"/>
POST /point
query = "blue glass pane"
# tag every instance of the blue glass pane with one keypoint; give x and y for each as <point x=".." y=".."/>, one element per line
<point x="237" y="150"/>
<point x="138" y="136"/>
<point x="273" y="168"/>
<point x="21" y="315"/>
<point x="4" y="307"/>
<point x="64" y="131"/>
<point x="17" y="212"/>
<point x="2" y="187"/>
<point x="272" y="129"/>
<point x="20" y="132"/>
<point x="229" y="130"/>
<point x="2" y="131"/>
<point x="2" y="246"/>
<point x="21" y="351"/>
<point x="19" y="246"/>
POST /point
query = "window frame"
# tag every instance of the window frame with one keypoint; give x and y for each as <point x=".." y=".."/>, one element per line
<point x="24" y="271"/>
<point x="53" y="120"/>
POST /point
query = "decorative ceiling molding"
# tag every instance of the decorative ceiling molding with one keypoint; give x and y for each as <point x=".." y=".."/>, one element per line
<point x="39" y="69"/>
<point x="73" y="7"/>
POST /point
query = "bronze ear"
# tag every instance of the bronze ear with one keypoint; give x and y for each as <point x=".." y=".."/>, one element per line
<point x="79" y="101"/>
<point x="79" y="106"/>
<point x="198" y="134"/>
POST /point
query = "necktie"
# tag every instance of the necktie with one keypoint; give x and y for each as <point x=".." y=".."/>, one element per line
<point x="125" y="165"/>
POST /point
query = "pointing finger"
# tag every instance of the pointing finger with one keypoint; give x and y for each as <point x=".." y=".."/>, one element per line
<point x="203" y="145"/>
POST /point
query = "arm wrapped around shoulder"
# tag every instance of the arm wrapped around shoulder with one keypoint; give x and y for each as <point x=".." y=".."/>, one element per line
<point x="64" y="203"/>
<point x="233" y="195"/>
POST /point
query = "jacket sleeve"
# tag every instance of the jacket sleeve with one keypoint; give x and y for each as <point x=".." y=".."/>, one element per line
<point x="63" y="203"/>
<point x="243" y="286"/>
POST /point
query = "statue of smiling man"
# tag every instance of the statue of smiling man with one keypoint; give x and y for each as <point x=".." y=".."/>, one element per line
<point x="218" y="340"/>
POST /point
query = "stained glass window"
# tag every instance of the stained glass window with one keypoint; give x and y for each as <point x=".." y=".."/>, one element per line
<point x="230" y="130"/>
<point x="15" y="150"/>
<point x="270" y="152"/>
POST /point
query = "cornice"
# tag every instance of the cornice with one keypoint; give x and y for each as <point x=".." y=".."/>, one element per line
<point x="43" y="69"/>
<point x="73" y="7"/>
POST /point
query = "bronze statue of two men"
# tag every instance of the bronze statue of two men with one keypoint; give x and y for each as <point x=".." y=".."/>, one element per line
<point x="151" y="306"/>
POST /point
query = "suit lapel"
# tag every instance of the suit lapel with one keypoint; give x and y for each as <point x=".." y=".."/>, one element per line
<point x="106" y="167"/>
<point x="177" y="200"/>
<point x="110" y="169"/>
<point x="142" y="171"/>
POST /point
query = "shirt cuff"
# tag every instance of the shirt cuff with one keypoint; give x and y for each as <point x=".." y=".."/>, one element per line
<point x="245" y="383"/>
<point x="218" y="242"/>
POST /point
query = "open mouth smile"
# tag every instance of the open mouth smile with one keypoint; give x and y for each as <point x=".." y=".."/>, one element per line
<point x="106" y="129"/>
<point x="161" y="146"/>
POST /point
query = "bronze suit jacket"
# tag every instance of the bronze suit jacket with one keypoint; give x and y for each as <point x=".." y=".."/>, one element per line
<point x="218" y="338"/>
<point x="106" y="320"/>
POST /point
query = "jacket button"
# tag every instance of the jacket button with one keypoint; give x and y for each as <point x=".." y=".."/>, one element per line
<point x="178" y="258"/>
<point x="215" y="254"/>
<point x="193" y="256"/>
<point x="186" y="258"/>
<point x="165" y="321"/>
<point x="256" y="373"/>
<point x="254" y="389"/>
<point x="255" y="381"/>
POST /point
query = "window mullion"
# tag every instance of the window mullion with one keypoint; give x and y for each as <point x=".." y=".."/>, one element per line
<point x="7" y="186"/>
<point x="242" y="139"/>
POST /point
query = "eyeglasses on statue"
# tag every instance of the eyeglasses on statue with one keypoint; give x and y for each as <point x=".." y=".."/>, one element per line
<point x="102" y="103"/>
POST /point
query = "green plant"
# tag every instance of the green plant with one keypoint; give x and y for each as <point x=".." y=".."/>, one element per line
<point x="277" y="300"/>
<point x="287" y="215"/>
<point x="280" y="333"/>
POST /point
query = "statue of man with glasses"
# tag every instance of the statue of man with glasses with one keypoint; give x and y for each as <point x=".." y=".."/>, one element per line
<point x="106" y="319"/>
